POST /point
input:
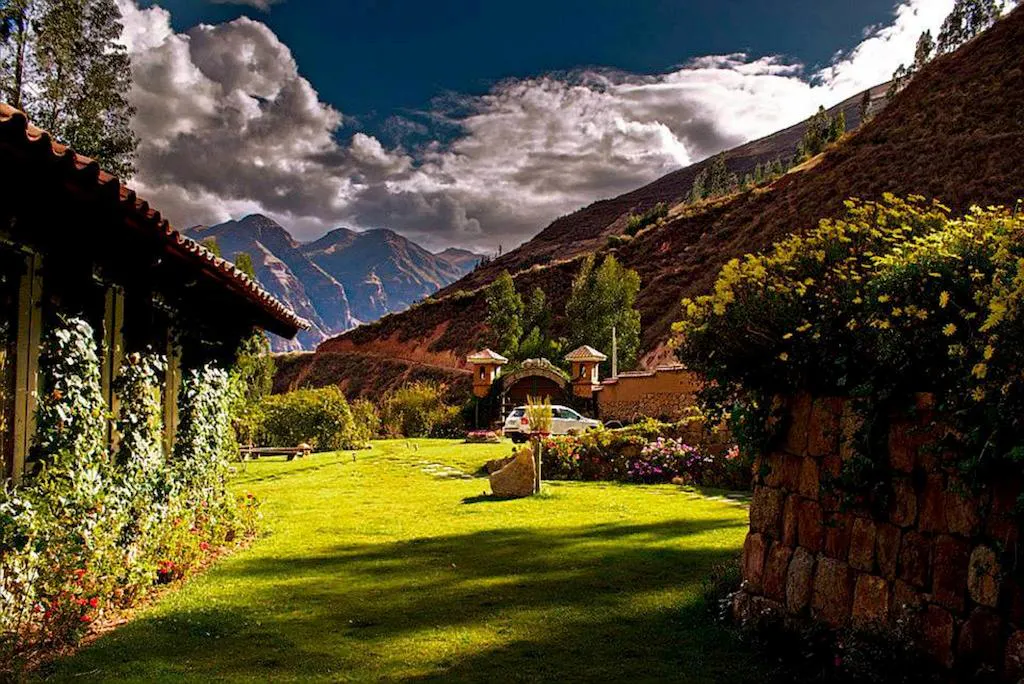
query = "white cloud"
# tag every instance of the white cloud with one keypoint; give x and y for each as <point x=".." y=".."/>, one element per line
<point x="230" y="126"/>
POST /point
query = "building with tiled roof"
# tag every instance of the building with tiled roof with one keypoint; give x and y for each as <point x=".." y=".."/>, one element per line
<point x="75" y="241"/>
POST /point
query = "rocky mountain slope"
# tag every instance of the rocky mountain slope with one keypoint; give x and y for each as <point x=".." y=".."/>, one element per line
<point x="383" y="271"/>
<point x="956" y="133"/>
<point x="340" y="280"/>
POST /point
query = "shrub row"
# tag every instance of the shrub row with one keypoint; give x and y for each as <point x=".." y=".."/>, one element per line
<point x="91" y="531"/>
<point x="895" y="298"/>
<point x="645" y="453"/>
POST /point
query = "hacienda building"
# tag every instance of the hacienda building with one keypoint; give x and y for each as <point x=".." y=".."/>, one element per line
<point x="75" y="241"/>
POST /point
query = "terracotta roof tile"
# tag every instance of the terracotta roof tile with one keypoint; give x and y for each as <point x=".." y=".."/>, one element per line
<point x="486" y="356"/>
<point x="585" y="353"/>
<point x="14" y="126"/>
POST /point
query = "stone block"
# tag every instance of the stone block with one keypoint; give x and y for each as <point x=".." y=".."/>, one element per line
<point x="915" y="555"/>
<point x="870" y="600"/>
<point x="766" y="511"/>
<point x="790" y="520"/>
<point x="772" y="465"/>
<point x="932" y="506"/>
<point x="1012" y="601"/>
<point x="753" y="562"/>
<point x="983" y="576"/>
<point x="1001" y="523"/>
<point x="791" y="472"/>
<point x="823" y="431"/>
<point x="831" y="467"/>
<point x="795" y="439"/>
<point x="810" y="483"/>
<point x="962" y="516"/>
<point x="833" y="592"/>
<point x="903" y="506"/>
<point x="1013" y="659"/>
<point x="850" y="423"/>
<point x="517" y="479"/>
<point x="950" y="558"/>
<point x="775" y="571"/>
<point x="887" y="549"/>
<point x="799" y="581"/>
<point x="906" y="599"/>
<point x="809" y="525"/>
<point x="862" y="545"/>
<point x="903" y="445"/>
<point x="979" y="642"/>
<point x="837" y="535"/>
<point x="937" y="634"/>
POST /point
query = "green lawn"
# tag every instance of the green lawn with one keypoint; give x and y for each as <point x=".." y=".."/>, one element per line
<point x="381" y="565"/>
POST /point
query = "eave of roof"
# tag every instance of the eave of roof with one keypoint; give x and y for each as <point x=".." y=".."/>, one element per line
<point x="15" y="129"/>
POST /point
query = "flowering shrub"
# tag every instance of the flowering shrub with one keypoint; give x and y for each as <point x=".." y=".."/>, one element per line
<point x="483" y="437"/>
<point x="639" y="454"/>
<point x="87" y="532"/>
<point x="895" y="298"/>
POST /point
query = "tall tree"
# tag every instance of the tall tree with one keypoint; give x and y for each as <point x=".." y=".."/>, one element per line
<point x="968" y="19"/>
<point x="15" y="28"/>
<point x="924" y="51"/>
<point x="865" y="107"/>
<point x="62" y="62"/>
<point x="505" y="314"/>
<point x="603" y="298"/>
<point x="243" y="262"/>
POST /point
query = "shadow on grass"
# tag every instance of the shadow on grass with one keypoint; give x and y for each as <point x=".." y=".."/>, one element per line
<point x="597" y="603"/>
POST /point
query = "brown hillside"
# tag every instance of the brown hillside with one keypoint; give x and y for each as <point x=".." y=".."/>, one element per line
<point x="956" y="133"/>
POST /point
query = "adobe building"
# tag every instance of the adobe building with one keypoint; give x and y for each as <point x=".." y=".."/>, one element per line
<point x="665" y="393"/>
<point x="76" y="242"/>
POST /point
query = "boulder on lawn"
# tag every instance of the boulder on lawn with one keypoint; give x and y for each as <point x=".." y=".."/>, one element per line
<point x="517" y="478"/>
<point x="496" y="464"/>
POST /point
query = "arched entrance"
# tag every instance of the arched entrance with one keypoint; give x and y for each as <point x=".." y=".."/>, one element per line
<point x="534" y="378"/>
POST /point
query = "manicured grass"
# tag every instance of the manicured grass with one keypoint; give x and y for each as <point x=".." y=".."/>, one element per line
<point x="372" y="568"/>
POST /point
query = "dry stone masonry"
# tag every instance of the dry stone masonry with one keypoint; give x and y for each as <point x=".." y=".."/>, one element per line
<point x="938" y="558"/>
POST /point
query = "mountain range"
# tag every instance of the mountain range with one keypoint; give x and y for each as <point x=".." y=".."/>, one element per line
<point x="954" y="133"/>
<point x="345" y="278"/>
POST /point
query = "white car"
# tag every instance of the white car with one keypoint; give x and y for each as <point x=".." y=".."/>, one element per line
<point x="564" y="421"/>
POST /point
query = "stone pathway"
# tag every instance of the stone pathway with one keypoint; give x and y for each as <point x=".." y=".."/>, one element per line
<point x="443" y="472"/>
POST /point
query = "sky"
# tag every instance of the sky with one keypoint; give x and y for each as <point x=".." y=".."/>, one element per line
<point x="475" y="123"/>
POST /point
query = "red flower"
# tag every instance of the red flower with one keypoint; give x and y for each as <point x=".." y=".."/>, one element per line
<point x="205" y="546"/>
<point x="86" y="619"/>
<point x="93" y="602"/>
<point x="80" y="573"/>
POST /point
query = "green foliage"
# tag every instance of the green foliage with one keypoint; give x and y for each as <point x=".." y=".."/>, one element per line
<point x="603" y="298"/>
<point x="90" y="531"/>
<point x="418" y="410"/>
<point x="211" y="244"/>
<point x="318" y="417"/>
<point x="539" y="413"/>
<point x="864" y="108"/>
<point x="967" y="19"/>
<point x="615" y="241"/>
<point x="895" y="298"/>
<point x="64" y="63"/>
<point x="714" y="180"/>
<point x="504" y="314"/>
<point x="822" y="131"/>
<point x="243" y="262"/>
<point x="366" y="421"/>
<point x="637" y="222"/>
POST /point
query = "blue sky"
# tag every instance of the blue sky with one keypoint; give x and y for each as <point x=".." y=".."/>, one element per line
<point x="475" y="124"/>
<point x="373" y="59"/>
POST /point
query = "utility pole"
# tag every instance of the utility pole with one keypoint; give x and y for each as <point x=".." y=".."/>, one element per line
<point x="615" y="354"/>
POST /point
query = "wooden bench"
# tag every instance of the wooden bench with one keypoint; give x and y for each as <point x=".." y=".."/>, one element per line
<point x="254" y="452"/>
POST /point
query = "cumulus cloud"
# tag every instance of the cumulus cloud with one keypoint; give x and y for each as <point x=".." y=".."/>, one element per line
<point x="230" y="126"/>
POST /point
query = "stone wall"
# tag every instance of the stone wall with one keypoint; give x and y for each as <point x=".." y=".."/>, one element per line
<point x="932" y="552"/>
<point x="666" y="393"/>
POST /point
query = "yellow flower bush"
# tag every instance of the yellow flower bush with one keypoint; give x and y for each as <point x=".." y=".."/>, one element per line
<point x="894" y="298"/>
